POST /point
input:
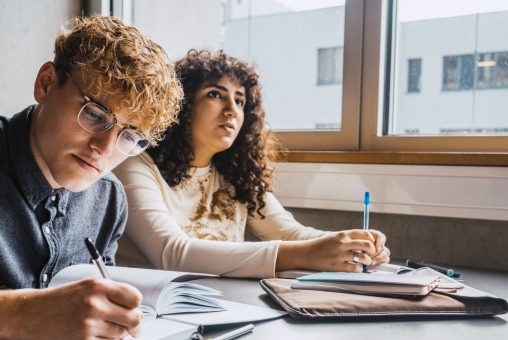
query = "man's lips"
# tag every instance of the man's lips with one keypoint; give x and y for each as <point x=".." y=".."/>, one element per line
<point x="90" y="163"/>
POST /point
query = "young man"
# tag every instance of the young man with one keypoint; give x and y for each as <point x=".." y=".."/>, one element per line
<point x="108" y="94"/>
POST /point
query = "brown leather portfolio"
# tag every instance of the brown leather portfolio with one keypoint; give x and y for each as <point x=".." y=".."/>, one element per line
<point x="316" y="304"/>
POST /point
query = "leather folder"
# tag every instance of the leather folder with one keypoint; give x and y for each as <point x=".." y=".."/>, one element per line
<point x="320" y="304"/>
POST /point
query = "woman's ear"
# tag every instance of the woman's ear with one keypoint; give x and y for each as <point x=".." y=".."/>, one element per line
<point x="46" y="78"/>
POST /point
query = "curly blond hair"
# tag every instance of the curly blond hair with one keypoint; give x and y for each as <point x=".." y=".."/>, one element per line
<point x="116" y="61"/>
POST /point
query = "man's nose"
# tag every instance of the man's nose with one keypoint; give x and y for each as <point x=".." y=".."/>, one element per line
<point x="105" y="143"/>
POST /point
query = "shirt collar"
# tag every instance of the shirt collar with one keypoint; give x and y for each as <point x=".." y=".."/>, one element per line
<point x="33" y="184"/>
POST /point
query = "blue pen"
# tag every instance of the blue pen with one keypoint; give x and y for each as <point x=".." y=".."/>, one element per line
<point x="366" y="202"/>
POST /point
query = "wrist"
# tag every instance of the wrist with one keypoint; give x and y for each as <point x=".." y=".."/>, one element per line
<point x="293" y="255"/>
<point x="12" y="303"/>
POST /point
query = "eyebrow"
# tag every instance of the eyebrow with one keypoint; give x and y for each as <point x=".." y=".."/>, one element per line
<point x="87" y="97"/>
<point x="220" y="87"/>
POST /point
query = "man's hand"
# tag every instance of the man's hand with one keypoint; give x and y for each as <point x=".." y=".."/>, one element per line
<point x="87" y="309"/>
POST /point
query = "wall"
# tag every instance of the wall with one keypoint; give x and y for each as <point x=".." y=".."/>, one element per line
<point x="453" y="241"/>
<point x="179" y="25"/>
<point x="27" y="33"/>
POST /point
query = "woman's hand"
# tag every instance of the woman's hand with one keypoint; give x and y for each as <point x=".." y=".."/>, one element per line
<point x="382" y="253"/>
<point x="334" y="252"/>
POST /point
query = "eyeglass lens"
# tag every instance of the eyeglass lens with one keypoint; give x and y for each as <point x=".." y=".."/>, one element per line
<point x="95" y="119"/>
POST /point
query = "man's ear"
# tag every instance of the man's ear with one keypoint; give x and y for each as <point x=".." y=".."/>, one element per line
<point x="46" y="78"/>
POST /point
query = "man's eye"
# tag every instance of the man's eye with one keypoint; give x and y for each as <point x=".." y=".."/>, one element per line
<point x="93" y="115"/>
<point x="128" y="138"/>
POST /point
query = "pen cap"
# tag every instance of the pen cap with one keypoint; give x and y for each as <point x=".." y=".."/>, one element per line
<point x="366" y="200"/>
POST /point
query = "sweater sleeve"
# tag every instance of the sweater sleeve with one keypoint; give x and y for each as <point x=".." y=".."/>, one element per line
<point x="152" y="228"/>
<point x="280" y="224"/>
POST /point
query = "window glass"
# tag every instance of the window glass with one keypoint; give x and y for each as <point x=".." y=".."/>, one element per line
<point x="415" y="70"/>
<point x="330" y="65"/>
<point x="297" y="46"/>
<point x="463" y="87"/>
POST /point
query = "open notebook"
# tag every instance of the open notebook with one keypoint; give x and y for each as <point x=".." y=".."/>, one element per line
<point x="163" y="292"/>
<point x="173" y="309"/>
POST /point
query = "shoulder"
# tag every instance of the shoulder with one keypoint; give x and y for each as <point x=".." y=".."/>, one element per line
<point x="108" y="188"/>
<point x="4" y="123"/>
<point x="137" y="168"/>
<point x="137" y="163"/>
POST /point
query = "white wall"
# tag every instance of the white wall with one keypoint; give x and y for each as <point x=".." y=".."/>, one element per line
<point x="27" y="33"/>
<point x="179" y="25"/>
<point x="445" y="191"/>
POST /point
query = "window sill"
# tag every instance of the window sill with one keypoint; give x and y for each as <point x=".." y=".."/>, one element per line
<point x="408" y="158"/>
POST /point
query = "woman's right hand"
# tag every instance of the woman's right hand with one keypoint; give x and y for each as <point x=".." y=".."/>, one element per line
<point x="334" y="252"/>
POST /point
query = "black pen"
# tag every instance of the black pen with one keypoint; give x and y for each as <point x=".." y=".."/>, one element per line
<point x="420" y="264"/>
<point x="96" y="258"/>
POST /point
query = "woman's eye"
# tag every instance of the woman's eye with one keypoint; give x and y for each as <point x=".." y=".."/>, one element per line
<point x="239" y="102"/>
<point x="213" y="94"/>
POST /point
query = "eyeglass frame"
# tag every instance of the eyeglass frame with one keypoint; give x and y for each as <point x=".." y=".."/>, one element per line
<point x="89" y="100"/>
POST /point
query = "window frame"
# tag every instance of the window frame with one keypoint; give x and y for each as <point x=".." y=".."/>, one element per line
<point x="372" y="113"/>
<point x="348" y="136"/>
<point x="368" y="67"/>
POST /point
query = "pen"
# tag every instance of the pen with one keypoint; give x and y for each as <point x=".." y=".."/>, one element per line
<point x="366" y="202"/>
<point x="96" y="258"/>
<point x="235" y="333"/>
<point x="420" y="264"/>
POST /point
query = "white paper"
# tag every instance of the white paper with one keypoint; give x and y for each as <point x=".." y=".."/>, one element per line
<point x="236" y="312"/>
<point x="160" y="329"/>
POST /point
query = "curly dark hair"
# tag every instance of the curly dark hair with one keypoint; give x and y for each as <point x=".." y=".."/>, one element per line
<point x="248" y="164"/>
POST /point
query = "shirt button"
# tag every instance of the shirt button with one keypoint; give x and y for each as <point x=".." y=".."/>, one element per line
<point x="53" y="198"/>
<point x="44" y="278"/>
<point x="46" y="229"/>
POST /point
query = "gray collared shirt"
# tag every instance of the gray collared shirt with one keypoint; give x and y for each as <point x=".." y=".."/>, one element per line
<point x="42" y="230"/>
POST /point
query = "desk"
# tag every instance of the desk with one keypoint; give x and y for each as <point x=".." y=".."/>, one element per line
<point x="436" y="328"/>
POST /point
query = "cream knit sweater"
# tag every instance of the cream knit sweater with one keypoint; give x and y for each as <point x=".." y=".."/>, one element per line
<point x="197" y="227"/>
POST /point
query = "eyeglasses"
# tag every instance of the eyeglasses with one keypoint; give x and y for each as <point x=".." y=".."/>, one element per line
<point x="95" y="118"/>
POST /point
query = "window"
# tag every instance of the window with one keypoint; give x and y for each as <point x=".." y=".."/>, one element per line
<point x="414" y="72"/>
<point x="458" y="72"/>
<point x="492" y="70"/>
<point x="463" y="106"/>
<point x="330" y="65"/>
<point x="347" y="75"/>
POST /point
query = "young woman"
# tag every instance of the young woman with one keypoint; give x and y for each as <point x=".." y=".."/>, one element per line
<point x="192" y="197"/>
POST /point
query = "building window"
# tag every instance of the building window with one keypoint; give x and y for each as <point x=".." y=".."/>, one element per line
<point x="330" y="65"/>
<point x="414" y="73"/>
<point x="458" y="72"/>
<point x="492" y="70"/>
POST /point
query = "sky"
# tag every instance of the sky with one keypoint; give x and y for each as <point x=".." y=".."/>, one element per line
<point x="412" y="10"/>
